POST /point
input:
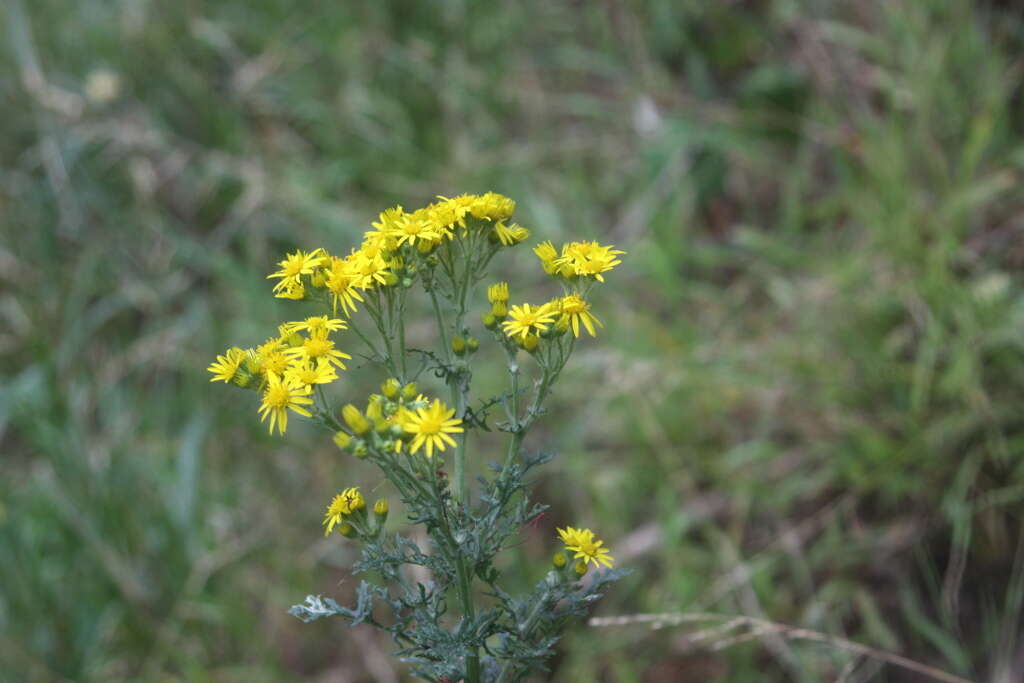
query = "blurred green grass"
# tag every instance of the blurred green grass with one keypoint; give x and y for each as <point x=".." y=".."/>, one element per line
<point x="805" y="405"/>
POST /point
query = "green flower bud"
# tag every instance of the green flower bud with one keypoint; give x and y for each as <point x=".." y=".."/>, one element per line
<point x="489" y="321"/>
<point x="581" y="567"/>
<point x="458" y="345"/>
<point x="559" y="560"/>
<point x="347" y="530"/>
<point x="342" y="440"/>
<point x="380" y="508"/>
<point x="407" y="282"/>
<point x="360" y="450"/>
<point x="390" y="279"/>
<point x="499" y="309"/>
<point x="410" y="391"/>
<point x="529" y="343"/>
<point x="472" y="344"/>
<point x="390" y="388"/>
<point x="319" y="279"/>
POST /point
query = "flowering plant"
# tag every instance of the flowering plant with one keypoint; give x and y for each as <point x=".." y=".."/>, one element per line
<point x="437" y="256"/>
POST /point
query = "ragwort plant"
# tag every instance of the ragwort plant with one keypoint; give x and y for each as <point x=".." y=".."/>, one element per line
<point x="444" y="251"/>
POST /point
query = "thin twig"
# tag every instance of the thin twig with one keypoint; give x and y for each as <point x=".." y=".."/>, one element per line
<point x="762" y="626"/>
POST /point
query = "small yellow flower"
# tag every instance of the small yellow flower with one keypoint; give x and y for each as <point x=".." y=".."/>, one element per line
<point x="270" y="357"/>
<point x="511" y="234"/>
<point x="498" y="292"/>
<point x="281" y="396"/>
<point x="316" y="324"/>
<point x="354" y="419"/>
<point x="547" y="254"/>
<point x="343" y="282"/>
<point x="226" y="367"/>
<point x="319" y="347"/>
<point x="308" y="373"/>
<point x="492" y="207"/>
<point x="292" y="290"/>
<point x="526" y="319"/>
<point x="431" y="426"/>
<point x="576" y="310"/>
<point x="413" y="227"/>
<point x="588" y="259"/>
<point x="294" y="266"/>
<point x="586" y="547"/>
<point x="345" y="503"/>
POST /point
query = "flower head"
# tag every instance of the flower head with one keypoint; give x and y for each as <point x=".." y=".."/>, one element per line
<point x="280" y="396"/>
<point x="226" y="367"/>
<point x="510" y="235"/>
<point x="431" y="426"/>
<point x="294" y="266"/>
<point x="345" y="503"/>
<point x="586" y="547"/>
<point x="522" y="320"/>
<point x="575" y="310"/>
<point x="492" y="207"/>
<point x="343" y="282"/>
<point x="316" y="324"/>
<point x="588" y="259"/>
<point x="319" y="347"/>
<point x="308" y="373"/>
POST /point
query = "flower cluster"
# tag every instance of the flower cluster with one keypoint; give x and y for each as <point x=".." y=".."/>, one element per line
<point x="437" y="254"/>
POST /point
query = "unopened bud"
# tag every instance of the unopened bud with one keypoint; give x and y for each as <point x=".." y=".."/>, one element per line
<point x="424" y="246"/>
<point x="472" y="344"/>
<point x="342" y="440"/>
<point x="458" y="345"/>
<point x="499" y="309"/>
<point x="390" y="279"/>
<point x="529" y="342"/>
<point x="581" y="567"/>
<point x="409" y="391"/>
<point x="380" y="508"/>
<point x="347" y="530"/>
<point x="360" y="451"/>
<point x="390" y="388"/>
<point x="559" y="560"/>
<point x="489" y="321"/>
<point x="319" y="279"/>
<point x="354" y="419"/>
<point x="406" y="282"/>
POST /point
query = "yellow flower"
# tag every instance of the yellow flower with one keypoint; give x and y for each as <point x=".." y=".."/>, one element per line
<point x="294" y="266"/>
<point x="497" y="292"/>
<point x="492" y="207"/>
<point x="448" y="213"/>
<point x="354" y="419"/>
<point x="343" y="283"/>
<point x="345" y="503"/>
<point x="384" y="226"/>
<point x="414" y="227"/>
<point x="370" y="267"/>
<point x="315" y="325"/>
<point x="588" y="259"/>
<point x="586" y="547"/>
<point x="547" y="254"/>
<point x="522" y="320"/>
<point x="292" y="290"/>
<point x="319" y="347"/>
<point x="431" y="426"/>
<point x="307" y="373"/>
<point x="226" y="367"/>
<point x="510" y="235"/>
<point x="270" y="357"/>
<point x="576" y="310"/>
<point x="281" y="396"/>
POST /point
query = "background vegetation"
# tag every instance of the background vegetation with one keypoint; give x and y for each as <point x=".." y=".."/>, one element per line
<point x="805" y="406"/>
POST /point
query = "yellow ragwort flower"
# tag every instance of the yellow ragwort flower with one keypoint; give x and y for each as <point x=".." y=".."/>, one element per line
<point x="294" y="266"/>
<point x="576" y="310"/>
<point x="343" y="282"/>
<point x="547" y="254"/>
<point x="492" y="207"/>
<point x="522" y="320"/>
<point x="586" y="547"/>
<point x="315" y="325"/>
<point x="308" y="373"/>
<point x="510" y="235"/>
<point x="282" y="395"/>
<point x="345" y="503"/>
<point x="588" y="259"/>
<point x="414" y="227"/>
<point x="319" y="347"/>
<point x="431" y="426"/>
<point x="226" y="367"/>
